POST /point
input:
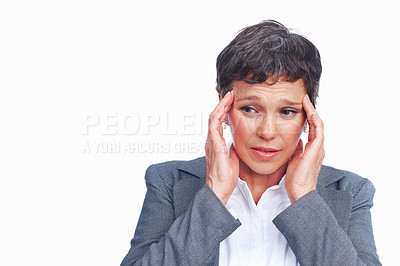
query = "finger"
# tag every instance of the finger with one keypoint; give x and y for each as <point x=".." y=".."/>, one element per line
<point x="224" y="101"/>
<point x="316" y="129"/>
<point x="314" y="121"/>
<point x="308" y="106"/>
<point x="220" y="112"/>
<point x="228" y="106"/>
<point x="310" y="110"/>
<point x="298" y="152"/>
<point x="222" y="105"/>
<point x="216" y="122"/>
<point x="215" y="139"/>
<point x="215" y="143"/>
<point x="215" y="132"/>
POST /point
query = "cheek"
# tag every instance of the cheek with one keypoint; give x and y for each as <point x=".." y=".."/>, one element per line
<point x="240" y="127"/>
<point x="290" y="132"/>
<point x="292" y="126"/>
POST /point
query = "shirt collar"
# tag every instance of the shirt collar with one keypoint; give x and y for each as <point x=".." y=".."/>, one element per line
<point x="274" y="191"/>
<point x="274" y="187"/>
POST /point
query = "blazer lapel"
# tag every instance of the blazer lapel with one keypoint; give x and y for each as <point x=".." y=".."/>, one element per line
<point x="339" y="201"/>
<point x="191" y="177"/>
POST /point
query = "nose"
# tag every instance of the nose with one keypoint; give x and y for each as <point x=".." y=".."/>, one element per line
<point x="266" y="127"/>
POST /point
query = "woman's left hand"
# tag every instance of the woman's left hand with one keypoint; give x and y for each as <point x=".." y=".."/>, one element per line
<point x="303" y="168"/>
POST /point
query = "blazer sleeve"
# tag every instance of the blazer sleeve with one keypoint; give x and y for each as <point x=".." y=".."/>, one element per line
<point x="191" y="239"/>
<point x="316" y="238"/>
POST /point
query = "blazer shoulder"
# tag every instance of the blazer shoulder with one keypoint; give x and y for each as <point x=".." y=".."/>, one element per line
<point x="339" y="179"/>
<point x="193" y="166"/>
<point x="169" y="170"/>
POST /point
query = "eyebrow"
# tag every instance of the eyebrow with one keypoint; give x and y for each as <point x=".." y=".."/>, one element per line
<point x="289" y="102"/>
<point x="256" y="98"/>
<point x="249" y="98"/>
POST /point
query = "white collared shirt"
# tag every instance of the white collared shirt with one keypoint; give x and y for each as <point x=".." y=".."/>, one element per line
<point x="257" y="241"/>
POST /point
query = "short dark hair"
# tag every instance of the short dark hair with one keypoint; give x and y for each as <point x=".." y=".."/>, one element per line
<point x="268" y="51"/>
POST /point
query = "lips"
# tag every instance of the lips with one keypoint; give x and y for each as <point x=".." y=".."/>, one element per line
<point x="265" y="153"/>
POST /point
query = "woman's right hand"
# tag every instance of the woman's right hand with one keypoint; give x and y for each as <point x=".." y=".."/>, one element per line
<point x="222" y="168"/>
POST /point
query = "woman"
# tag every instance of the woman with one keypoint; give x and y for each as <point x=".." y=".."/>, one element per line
<point x="266" y="199"/>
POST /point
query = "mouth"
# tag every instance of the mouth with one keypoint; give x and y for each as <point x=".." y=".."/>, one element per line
<point x="265" y="153"/>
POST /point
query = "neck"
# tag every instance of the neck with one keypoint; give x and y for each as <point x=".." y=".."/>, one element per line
<point x="259" y="183"/>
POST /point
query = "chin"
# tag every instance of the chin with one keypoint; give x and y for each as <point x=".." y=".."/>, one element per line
<point x="263" y="168"/>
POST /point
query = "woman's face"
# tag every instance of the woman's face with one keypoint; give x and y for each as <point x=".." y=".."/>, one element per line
<point x="266" y="122"/>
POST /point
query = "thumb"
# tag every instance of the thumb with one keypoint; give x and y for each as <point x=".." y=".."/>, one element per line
<point x="298" y="152"/>
<point x="233" y="155"/>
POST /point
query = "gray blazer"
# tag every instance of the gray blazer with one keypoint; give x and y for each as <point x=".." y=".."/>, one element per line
<point x="183" y="222"/>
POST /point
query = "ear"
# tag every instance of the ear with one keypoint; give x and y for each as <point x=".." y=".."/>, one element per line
<point x="219" y="97"/>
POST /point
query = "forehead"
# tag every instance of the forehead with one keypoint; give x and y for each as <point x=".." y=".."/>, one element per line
<point x="281" y="89"/>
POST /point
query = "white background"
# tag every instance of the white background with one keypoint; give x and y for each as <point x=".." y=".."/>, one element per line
<point x="65" y="64"/>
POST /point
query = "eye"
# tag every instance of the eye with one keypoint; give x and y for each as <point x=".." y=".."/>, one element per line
<point x="289" y="112"/>
<point x="247" y="109"/>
